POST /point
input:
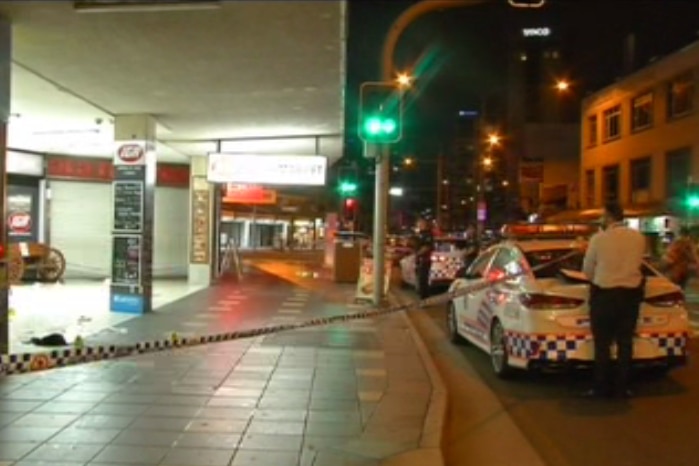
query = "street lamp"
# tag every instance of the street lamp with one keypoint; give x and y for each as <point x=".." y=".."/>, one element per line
<point x="408" y="162"/>
<point x="404" y="79"/>
<point x="494" y="139"/>
<point x="562" y="85"/>
<point x="488" y="162"/>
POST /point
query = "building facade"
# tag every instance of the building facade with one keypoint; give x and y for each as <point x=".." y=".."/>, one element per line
<point x="640" y="144"/>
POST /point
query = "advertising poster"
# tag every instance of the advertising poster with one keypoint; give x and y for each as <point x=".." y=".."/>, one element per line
<point x="365" y="284"/>
<point x="22" y="215"/>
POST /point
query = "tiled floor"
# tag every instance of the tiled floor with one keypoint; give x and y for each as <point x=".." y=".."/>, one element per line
<point x="348" y="394"/>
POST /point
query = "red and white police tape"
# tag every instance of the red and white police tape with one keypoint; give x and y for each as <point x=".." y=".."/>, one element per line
<point x="31" y="362"/>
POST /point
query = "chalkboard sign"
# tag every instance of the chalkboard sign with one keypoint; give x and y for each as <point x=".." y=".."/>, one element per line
<point x="126" y="262"/>
<point x="128" y="206"/>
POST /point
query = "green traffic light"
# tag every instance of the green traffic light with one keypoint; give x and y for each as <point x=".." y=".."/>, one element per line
<point x="347" y="187"/>
<point x="373" y="125"/>
<point x="389" y="126"/>
<point x="693" y="201"/>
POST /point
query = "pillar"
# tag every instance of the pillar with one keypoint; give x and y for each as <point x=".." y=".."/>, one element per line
<point x="5" y="70"/>
<point x="133" y="199"/>
<point x="202" y="253"/>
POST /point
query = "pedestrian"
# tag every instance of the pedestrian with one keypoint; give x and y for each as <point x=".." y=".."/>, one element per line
<point x="680" y="258"/>
<point x="424" y="245"/>
<point x="612" y="263"/>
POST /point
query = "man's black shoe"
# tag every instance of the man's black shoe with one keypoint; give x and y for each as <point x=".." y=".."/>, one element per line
<point x="594" y="394"/>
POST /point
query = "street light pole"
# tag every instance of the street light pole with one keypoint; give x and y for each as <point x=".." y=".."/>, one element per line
<point x="382" y="161"/>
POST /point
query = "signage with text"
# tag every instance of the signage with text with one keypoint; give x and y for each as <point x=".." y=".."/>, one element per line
<point x="126" y="266"/>
<point x="102" y="170"/>
<point x="130" y="153"/>
<point x="128" y="206"/>
<point x="536" y="32"/>
<point x="248" y="194"/>
<point x="201" y="209"/>
<point x="290" y="170"/>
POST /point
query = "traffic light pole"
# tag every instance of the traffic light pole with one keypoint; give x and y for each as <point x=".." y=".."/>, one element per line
<point x="383" y="157"/>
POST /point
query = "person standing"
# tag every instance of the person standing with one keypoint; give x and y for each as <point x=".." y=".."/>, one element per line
<point x="680" y="258"/>
<point x="423" y="257"/>
<point x="612" y="263"/>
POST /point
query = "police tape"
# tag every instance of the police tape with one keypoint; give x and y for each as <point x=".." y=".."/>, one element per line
<point x="32" y="362"/>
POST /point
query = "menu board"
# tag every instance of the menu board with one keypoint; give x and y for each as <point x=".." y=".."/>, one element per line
<point x="128" y="206"/>
<point x="126" y="262"/>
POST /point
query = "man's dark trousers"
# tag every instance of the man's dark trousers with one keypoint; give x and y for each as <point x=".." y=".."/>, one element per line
<point x="613" y="316"/>
<point x="422" y="270"/>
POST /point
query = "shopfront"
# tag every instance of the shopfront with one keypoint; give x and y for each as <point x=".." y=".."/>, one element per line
<point x="25" y="188"/>
<point x="79" y="216"/>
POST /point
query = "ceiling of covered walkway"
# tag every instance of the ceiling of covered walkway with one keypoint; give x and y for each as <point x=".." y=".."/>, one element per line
<point x="250" y="72"/>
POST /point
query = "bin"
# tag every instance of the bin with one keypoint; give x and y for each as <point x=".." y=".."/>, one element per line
<point x="347" y="261"/>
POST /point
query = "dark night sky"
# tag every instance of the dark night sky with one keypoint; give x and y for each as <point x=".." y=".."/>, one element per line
<point x="469" y="45"/>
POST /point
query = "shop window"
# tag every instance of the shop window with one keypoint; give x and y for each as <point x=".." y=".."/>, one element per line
<point x="680" y="95"/>
<point x="589" y="188"/>
<point x="677" y="170"/>
<point x="640" y="180"/>
<point x="642" y="112"/>
<point x="612" y="123"/>
<point x="610" y="183"/>
<point x="592" y="130"/>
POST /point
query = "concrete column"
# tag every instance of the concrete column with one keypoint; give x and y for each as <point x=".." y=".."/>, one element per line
<point x="133" y="199"/>
<point x="201" y="220"/>
<point x="5" y="71"/>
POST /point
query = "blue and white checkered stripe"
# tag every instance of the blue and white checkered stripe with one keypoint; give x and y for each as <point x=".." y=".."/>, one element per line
<point x="545" y="347"/>
<point x="669" y="344"/>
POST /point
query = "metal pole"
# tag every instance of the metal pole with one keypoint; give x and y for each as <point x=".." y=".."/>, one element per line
<point x="383" y="162"/>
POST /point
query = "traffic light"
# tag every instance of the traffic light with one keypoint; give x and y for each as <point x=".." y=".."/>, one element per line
<point x="380" y="113"/>
<point x="350" y="209"/>
<point x="347" y="188"/>
<point x="693" y="201"/>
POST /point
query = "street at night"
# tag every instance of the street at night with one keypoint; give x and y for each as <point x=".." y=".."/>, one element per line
<point x="656" y="427"/>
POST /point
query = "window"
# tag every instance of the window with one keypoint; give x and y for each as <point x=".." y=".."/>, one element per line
<point x="677" y="170"/>
<point x="592" y="130"/>
<point x="610" y="183"/>
<point x="642" y="112"/>
<point x="640" y="180"/>
<point x="680" y="95"/>
<point x="590" y="188"/>
<point x="612" y="123"/>
<point x="477" y="268"/>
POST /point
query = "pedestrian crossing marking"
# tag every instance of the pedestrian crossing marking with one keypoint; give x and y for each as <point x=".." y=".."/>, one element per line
<point x="290" y="311"/>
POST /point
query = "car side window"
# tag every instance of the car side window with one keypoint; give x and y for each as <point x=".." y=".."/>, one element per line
<point x="478" y="267"/>
<point x="507" y="262"/>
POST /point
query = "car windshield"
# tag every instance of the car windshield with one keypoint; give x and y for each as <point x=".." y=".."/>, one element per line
<point x="554" y="257"/>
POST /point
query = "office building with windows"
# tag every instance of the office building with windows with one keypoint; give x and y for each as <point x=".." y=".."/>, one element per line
<point x="640" y="144"/>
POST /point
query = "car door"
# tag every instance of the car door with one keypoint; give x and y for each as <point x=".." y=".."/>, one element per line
<point x="501" y="298"/>
<point x="472" y="301"/>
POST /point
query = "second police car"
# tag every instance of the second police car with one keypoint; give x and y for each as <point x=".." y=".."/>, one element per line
<point x="540" y="318"/>
<point x="448" y="257"/>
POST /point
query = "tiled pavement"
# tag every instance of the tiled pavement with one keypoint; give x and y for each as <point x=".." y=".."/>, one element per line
<point x="350" y="394"/>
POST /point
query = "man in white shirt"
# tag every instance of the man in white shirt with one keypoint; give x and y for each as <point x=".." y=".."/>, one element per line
<point x="613" y="265"/>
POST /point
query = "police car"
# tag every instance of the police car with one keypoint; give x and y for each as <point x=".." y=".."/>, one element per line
<point x="539" y="318"/>
<point x="448" y="257"/>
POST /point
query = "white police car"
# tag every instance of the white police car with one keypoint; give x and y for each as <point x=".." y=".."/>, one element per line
<point x="448" y="257"/>
<point x="540" y="318"/>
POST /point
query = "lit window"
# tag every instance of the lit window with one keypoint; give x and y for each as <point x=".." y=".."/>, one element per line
<point x="642" y="111"/>
<point x="680" y="95"/>
<point x="612" y="123"/>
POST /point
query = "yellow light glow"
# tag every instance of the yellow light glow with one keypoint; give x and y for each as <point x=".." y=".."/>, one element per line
<point x="494" y="139"/>
<point x="562" y="85"/>
<point x="408" y="161"/>
<point x="404" y="79"/>
<point x="488" y="161"/>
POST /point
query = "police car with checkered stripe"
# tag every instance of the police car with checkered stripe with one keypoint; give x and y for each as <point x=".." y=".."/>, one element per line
<point x="448" y="258"/>
<point x="536" y="314"/>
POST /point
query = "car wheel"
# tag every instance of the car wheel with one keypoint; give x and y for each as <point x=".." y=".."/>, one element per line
<point x="498" y="350"/>
<point x="452" y="325"/>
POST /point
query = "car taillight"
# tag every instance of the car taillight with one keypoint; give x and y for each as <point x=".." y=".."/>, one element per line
<point x="545" y="301"/>
<point x="676" y="298"/>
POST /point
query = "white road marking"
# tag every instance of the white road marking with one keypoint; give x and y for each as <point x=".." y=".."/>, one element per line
<point x="289" y="311"/>
<point x="228" y="302"/>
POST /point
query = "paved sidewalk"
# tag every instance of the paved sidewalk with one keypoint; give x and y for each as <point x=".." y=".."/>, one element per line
<point x="355" y="394"/>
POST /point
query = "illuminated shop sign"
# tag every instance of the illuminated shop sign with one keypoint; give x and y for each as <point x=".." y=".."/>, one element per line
<point x="536" y="32"/>
<point x="290" y="170"/>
